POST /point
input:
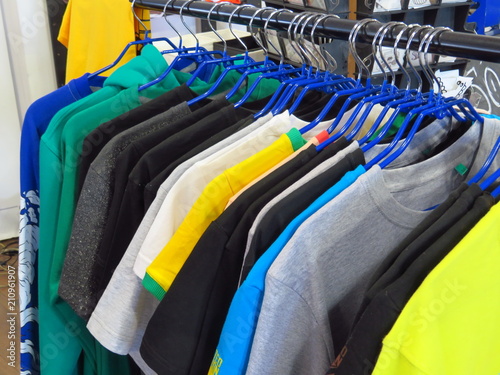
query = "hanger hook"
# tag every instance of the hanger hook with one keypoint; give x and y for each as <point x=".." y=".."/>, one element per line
<point x="390" y="26"/>
<point x="331" y="65"/>
<point x="375" y="45"/>
<point x="289" y="31"/>
<point x="250" y="25"/>
<point x="280" y="52"/>
<point x="164" y="14"/>
<point x="185" y="24"/>
<point x="276" y="11"/>
<point x="238" y="9"/>
<point x="424" y="63"/>
<point x="417" y="29"/>
<point x="146" y="30"/>
<point x="217" y="5"/>
<point x="396" y="54"/>
<point x="282" y="55"/>
<point x="304" y="40"/>
<point x="352" y="46"/>
<point x="297" y="39"/>
<point x="435" y="34"/>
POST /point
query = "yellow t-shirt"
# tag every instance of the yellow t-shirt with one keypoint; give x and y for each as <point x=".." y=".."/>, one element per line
<point x="96" y="33"/>
<point x="210" y="204"/>
<point x="451" y="323"/>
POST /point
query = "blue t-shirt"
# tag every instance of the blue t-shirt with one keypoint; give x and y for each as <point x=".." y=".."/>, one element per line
<point x="235" y="343"/>
<point x="36" y="121"/>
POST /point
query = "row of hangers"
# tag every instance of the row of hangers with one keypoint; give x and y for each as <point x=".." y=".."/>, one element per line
<point x="317" y="73"/>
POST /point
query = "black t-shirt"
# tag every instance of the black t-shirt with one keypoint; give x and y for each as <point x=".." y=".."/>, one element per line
<point x="152" y="188"/>
<point x="209" y="278"/>
<point x="193" y="291"/>
<point x="284" y="211"/>
<point x="99" y="137"/>
<point x="360" y="354"/>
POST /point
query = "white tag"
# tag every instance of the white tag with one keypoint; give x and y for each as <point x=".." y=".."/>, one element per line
<point x="452" y="83"/>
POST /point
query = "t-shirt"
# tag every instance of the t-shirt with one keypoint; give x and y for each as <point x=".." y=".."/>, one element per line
<point x="319" y="291"/>
<point x="36" y="121"/>
<point x="79" y="285"/>
<point x="153" y="186"/>
<point x="202" y="290"/>
<point x="100" y="136"/>
<point x="189" y="186"/>
<point x="79" y="32"/>
<point x="235" y="342"/>
<point x="429" y="230"/>
<point x="363" y="347"/>
<point x="289" y="205"/>
<point x="140" y="69"/>
<point x="73" y="134"/>
<point x="211" y="203"/>
<point x="132" y="208"/>
<point x="123" y="312"/>
<point x="252" y="253"/>
<point x="450" y="325"/>
<point x="81" y="277"/>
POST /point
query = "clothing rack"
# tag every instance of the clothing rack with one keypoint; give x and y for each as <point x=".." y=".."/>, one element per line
<point x="458" y="44"/>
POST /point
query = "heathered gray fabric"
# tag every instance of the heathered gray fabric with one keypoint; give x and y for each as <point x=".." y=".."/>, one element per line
<point x="124" y="310"/>
<point x="314" y="288"/>
<point x="78" y="285"/>
<point x="426" y="139"/>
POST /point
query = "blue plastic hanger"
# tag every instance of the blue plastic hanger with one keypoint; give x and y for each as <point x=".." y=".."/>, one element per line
<point x="328" y="82"/>
<point x="272" y="70"/>
<point x="287" y="76"/>
<point x="266" y="66"/>
<point x="368" y="89"/>
<point x="187" y="58"/>
<point x="409" y="95"/>
<point x="226" y="60"/>
<point x="146" y="40"/>
<point x="403" y="105"/>
<point x="496" y="193"/>
<point x="420" y="104"/>
<point x="438" y="107"/>
<point x="386" y="92"/>
<point x="489" y="160"/>
<point x="200" y="53"/>
<point x="249" y="63"/>
<point x="395" y="96"/>
<point x="490" y="180"/>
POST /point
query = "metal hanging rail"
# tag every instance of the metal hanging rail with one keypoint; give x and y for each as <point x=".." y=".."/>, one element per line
<point x="458" y="44"/>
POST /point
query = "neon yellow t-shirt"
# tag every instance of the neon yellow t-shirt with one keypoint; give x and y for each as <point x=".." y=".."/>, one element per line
<point x="210" y="204"/>
<point x="96" y="33"/>
<point x="451" y="323"/>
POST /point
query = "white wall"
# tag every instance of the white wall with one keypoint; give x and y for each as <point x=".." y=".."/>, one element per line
<point x="9" y="147"/>
<point x="27" y="73"/>
<point x="28" y="37"/>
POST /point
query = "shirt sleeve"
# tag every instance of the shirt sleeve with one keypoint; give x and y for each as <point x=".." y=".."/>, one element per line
<point x="288" y="342"/>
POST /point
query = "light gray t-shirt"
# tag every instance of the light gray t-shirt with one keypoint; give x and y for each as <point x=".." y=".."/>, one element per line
<point x="314" y="288"/>
<point x="424" y="140"/>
